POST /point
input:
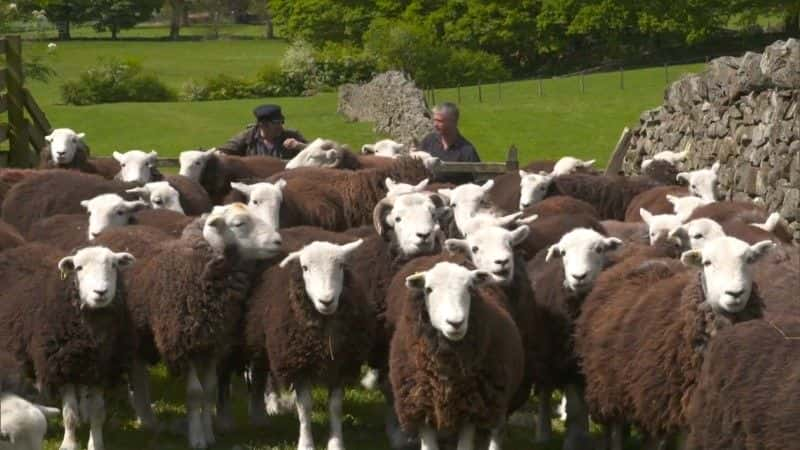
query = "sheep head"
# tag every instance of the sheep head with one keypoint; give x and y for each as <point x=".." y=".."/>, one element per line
<point x="413" y="218"/>
<point x="466" y="200"/>
<point x="110" y="210"/>
<point x="159" y="195"/>
<point x="447" y="291"/>
<point x="193" y="162"/>
<point x="698" y="232"/>
<point x="685" y="206"/>
<point x="64" y="144"/>
<point x="96" y="270"/>
<point x="386" y="147"/>
<point x="726" y="270"/>
<point x="319" y="153"/>
<point x="491" y="249"/>
<point x="583" y="255"/>
<point x="533" y="187"/>
<point x="136" y="166"/>
<point x="393" y="188"/>
<point x="264" y="200"/>
<point x="703" y="183"/>
<point x="323" y="266"/>
<point x="659" y="225"/>
<point x="568" y="165"/>
<point x="236" y="226"/>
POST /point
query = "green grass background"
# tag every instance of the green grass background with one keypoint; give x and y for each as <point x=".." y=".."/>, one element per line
<point x="563" y="120"/>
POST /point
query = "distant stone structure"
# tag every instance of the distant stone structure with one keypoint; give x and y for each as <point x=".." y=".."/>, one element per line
<point x="392" y="102"/>
<point x="743" y="112"/>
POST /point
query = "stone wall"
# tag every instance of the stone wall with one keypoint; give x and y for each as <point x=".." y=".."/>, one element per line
<point x="392" y="102"/>
<point x="743" y="112"/>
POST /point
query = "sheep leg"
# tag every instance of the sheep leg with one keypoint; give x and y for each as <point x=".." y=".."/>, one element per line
<point x="97" y="417"/>
<point x="194" y="408"/>
<point x="466" y="437"/>
<point x="335" y="399"/>
<point x="615" y="436"/>
<point x="577" y="436"/>
<point x="72" y="419"/>
<point x="398" y="439"/>
<point x="497" y="435"/>
<point x="544" y="427"/>
<point x="140" y="396"/>
<point x="304" y="405"/>
<point x="258" y="385"/>
<point x="225" y="420"/>
<point x="427" y="436"/>
<point x="210" y="384"/>
<point x="272" y="397"/>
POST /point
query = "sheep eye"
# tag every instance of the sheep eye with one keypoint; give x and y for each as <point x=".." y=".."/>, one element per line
<point x="120" y="212"/>
<point x="398" y="219"/>
<point x="305" y="268"/>
<point x="452" y="205"/>
<point x="697" y="236"/>
<point x="562" y="252"/>
<point x="706" y="263"/>
<point x="238" y="224"/>
<point x="694" y="187"/>
<point x="79" y="268"/>
<point x="122" y="165"/>
<point x="428" y="290"/>
<point x="255" y="202"/>
<point x="598" y="249"/>
<point x="474" y="249"/>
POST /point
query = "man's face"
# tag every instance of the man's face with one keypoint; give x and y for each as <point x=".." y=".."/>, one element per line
<point x="271" y="127"/>
<point x="443" y="123"/>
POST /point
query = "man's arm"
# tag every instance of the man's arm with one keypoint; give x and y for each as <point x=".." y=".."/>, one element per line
<point x="237" y="145"/>
<point x="471" y="154"/>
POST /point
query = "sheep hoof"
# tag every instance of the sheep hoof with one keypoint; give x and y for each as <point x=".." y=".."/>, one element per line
<point x="370" y="380"/>
<point x="335" y="444"/>
<point x="273" y="404"/>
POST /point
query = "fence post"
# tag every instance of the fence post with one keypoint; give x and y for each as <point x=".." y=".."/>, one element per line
<point x="480" y="93"/>
<point x="499" y="90"/>
<point x="666" y="73"/>
<point x="622" y="78"/>
<point x="541" y="90"/>
<point x="433" y="95"/>
<point x="583" y="87"/>
<point x="459" y="94"/>
<point x="18" y="155"/>
<point x="512" y="159"/>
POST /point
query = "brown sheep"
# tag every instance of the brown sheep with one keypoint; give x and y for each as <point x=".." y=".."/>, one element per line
<point x="215" y="171"/>
<point x="644" y="330"/>
<point x="63" y="231"/>
<point x="628" y="232"/>
<point x="654" y="200"/>
<point x="70" y="330"/>
<point x="338" y="199"/>
<point x="170" y="222"/>
<point x="611" y="195"/>
<point x="9" y="237"/>
<point x="745" y="212"/>
<point x="449" y="374"/>
<point x="560" y="204"/>
<point x="662" y="171"/>
<point x="107" y="168"/>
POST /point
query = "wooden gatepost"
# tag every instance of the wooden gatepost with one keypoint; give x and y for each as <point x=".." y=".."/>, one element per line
<point x="25" y="135"/>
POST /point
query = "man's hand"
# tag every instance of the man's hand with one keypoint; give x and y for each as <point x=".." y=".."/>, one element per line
<point x="293" y="144"/>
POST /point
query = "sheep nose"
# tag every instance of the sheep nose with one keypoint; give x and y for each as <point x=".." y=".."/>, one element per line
<point x="456" y="324"/>
<point x="579" y="277"/>
<point x="735" y="294"/>
<point x="100" y="292"/>
<point x="326" y="301"/>
<point x="157" y="201"/>
<point x="525" y="205"/>
<point x="60" y="153"/>
<point x="94" y="235"/>
<point x="277" y="242"/>
<point x="424" y="236"/>
<point x="501" y="262"/>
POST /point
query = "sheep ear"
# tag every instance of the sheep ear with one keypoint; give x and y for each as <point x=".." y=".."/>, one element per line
<point x="81" y="135"/>
<point x="439" y="201"/>
<point x="611" y="244"/>
<point x="66" y="265"/>
<point x="507" y="221"/>
<point x="291" y="257"/>
<point x="390" y="184"/>
<point x="692" y="258"/>
<point x="367" y="148"/>
<point x="770" y="224"/>
<point x="217" y="222"/>
<point x="152" y="155"/>
<point x="646" y="216"/>
<point x="382" y="209"/>
<point x="528" y="220"/>
<point x="140" y="191"/>
<point x="588" y="163"/>
<point x="519" y="235"/>
<point x="124" y="259"/>
<point x="679" y="233"/>
<point x="137" y="205"/>
<point x="49" y="138"/>
<point x="715" y="167"/>
<point x="347" y="249"/>
<point x="241" y="187"/>
<point x="416" y="281"/>
<point x="553" y="252"/>
<point x="422" y="185"/>
<point x="117" y="156"/>
<point x="487" y="186"/>
<point x="522" y="173"/>
<point x="280" y="184"/>
<point x="758" y="250"/>
<point x="682" y="176"/>
<point x="480" y="277"/>
<point x="446" y="193"/>
<point x="672" y="199"/>
<point x="457" y="246"/>
<point x="85" y="204"/>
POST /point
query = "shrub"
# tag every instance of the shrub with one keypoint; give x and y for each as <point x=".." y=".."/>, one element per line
<point x="340" y="64"/>
<point x="115" y="81"/>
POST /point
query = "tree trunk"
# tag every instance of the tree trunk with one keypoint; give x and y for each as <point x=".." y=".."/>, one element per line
<point x="63" y="31"/>
<point x="791" y="23"/>
<point x="186" y="21"/>
<point x="269" y="29"/>
<point x="114" y="31"/>
<point x="175" y="20"/>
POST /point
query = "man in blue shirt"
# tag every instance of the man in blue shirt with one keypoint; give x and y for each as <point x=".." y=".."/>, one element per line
<point x="447" y="143"/>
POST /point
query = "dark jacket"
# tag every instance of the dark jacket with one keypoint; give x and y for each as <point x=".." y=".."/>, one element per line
<point x="461" y="151"/>
<point x="248" y="143"/>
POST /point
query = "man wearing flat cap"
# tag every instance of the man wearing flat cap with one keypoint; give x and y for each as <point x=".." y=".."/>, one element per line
<point x="266" y="137"/>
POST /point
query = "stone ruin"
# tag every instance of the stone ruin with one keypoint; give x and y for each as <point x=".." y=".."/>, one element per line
<point x="392" y="102"/>
<point x="743" y="112"/>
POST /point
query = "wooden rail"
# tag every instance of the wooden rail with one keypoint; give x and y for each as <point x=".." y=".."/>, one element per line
<point x="25" y="135"/>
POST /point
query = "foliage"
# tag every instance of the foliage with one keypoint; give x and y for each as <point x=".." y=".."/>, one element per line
<point x="115" y="81"/>
<point x="116" y="15"/>
<point x="65" y="12"/>
<point x="337" y="64"/>
<point x="320" y="21"/>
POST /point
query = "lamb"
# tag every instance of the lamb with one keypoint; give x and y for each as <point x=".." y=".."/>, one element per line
<point x="159" y="195"/>
<point x="659" y="226"/>
<point x="9" y="237"/>
<point x="560" y="287"/>
<point x="656" y="201"/>
<point x="645" y="328"/>
<point x="386" y="148"/>
<point x="136" y="166"/>
<point x="316" y="329"/>
<point x="558" y="205"/>
<point x="76" y="334"/>
<point x="187" y="302"/>
<point x="703" y="183"/>
<point x="450" y="374"/>
<point x="263" y="199"/>
<point x="744" y="212"/>
<point x="215" y="172"/>
<point x="23" y="423"/>
<point x="671" y="157"/>
<point x="54" y="192"/>
<point x="337" y="200"/>
<point x="567" y="165"/>
<point x="177" y="193"/>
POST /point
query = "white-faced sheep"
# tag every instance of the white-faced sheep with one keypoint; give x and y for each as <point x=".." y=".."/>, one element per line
<point x="23" y="423"/>
<point x="568" y="164"/>
<point x="743" y="212"/>
<point x="561" y="277"/>
<point x="215" y="171"/>
<point x="386" y="148"/>
<point x="656" y="201"/>
<point x="316" y="329"/>
<point x="159" y="195"/>
<point x="659" y="226"/>
<point x="394" y="188"/>
<point x="66" y="149"/>
<point x="703" y="183"/>
<point x="645" y="328"/>
<point x="263" y="199"/>
<point x="467" y="200"/>
<point x="70" y="331"/>
<point x="674" y="158"/>
<point x="456" y="356"/>
<point x="136" y="166"/>
<point x="189" y="299"/>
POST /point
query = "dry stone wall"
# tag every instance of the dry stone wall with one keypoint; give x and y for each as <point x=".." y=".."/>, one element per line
<point x="743" y="112"/>
<point x="392" y="102"/>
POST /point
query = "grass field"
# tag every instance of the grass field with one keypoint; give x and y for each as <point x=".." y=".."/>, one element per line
<point x="561" y="121"/>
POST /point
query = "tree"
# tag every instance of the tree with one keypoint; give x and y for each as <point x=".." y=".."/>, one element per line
<point x="116" y="15"/>
<point x="175" y="18"/>
<point x="320" y="21"/>
<point x="63" y="13"/>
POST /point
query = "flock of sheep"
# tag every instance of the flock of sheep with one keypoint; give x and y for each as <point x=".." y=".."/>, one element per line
<point x="648" y="303"/>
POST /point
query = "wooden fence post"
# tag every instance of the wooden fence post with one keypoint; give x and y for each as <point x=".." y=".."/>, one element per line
<point x="19" y="155"/>
<point x="666" y="73"/>
<point x="512" y="159"/>
<point x="541" y="88"/>
<point x="622" y="78"/>
<point x="480" y="93"/>
<point x="583" y="87"/>
<point x="615" y="163"/>
<point x="459" y="94"/>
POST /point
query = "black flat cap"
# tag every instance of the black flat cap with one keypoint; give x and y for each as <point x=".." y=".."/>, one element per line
<point x="268" y="112"/>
